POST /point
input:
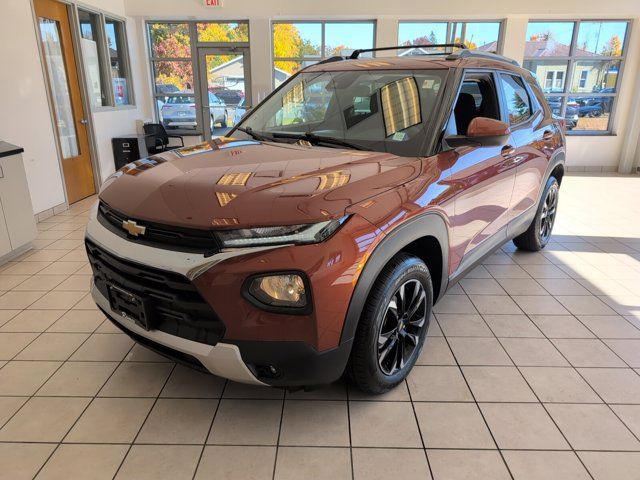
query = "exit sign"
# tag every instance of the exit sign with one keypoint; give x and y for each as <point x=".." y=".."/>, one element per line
<point x="212" y="3"/>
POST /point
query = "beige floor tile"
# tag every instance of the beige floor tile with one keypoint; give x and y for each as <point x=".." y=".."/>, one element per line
<point x="612" y="465"/>
<point x="434" y="329"/>
<point x="108" y="327"/>
<point x="24" y="268"/>
<point x="467" y="465"/>
<point x="396" y="419"/>
<point x="498" y="384"/>
<point x="85" y="321"/>
<point x="610" y="326"/>
<point x="478" y="272"/>
<point x="137" y="380"/>
<point x="563" y="286"/>
<point x="40" y="283"/>
<point x="530" y="465"/>
<point x="495" y="304"/>
<point x="544" y="271"/>
<point x="104" y="347"/>
<point x="52" y="346"/>
<point x="628" y="350"/>
<point x="9" y="406"/>
<point x="315" y="423"/>
<point x="438" y="383"/>
<point x="12" y="343"/>
<point x="154" y="462"/>
<point x="400" y="393"/>
<point x="561" y="326"/>
<point x="78" y="379"/>
<point x="32" y="321"/>
<point x="463" y="325"/>
<point x="582" y="305"/>
<point x="43" y="419"/>
<point x="318" y="463"/>
<point x="522" y="286"/>
<point x="630" y="416"/>
<point x="559" y="385"/>
<point x="587" y="353"/>
<point x="533" y="352"/>
<point x="512" y="326"/>
<point x="236" y="463"/>
<point x="522" y="426"/>
<point x="592" y="427"/>
<point x="178" y="421"/>
<point x="499" y="258"/>
<point x="18" y="300"/>
<point x="24" y="378"/>
<point x="110" y="420"/>
<point x="186" y="382"/>
<point x="86" y="303"/>
<point x="62" y="268"/>
<point x="451" y="304"/>
<point x="246" y="422"/>
<point x="244" y="390"/>
<point x="540" y="305"/>
<point x="140" y="353"/>
<point x="76" y="283"/>
<point x="84" y="461"/>
<point x="21" y="461"/>
<point x="373" y="464"/>
<point x="452" y="425"/>
<point x="335" y="391"/>
<point x="614" y="385"/>
<point x="506" y="271"/>
<point x="481" y="286"/>
<point x="45" y="255"/>
<point x="7" y="315"/>
<point x="478" y="351"/>
<point x="57" y="300"/>
<point x="8" y="282"/>
<point x="436" y="351"/>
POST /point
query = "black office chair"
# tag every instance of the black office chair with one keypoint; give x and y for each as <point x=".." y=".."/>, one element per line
<point x="160" y="138"/>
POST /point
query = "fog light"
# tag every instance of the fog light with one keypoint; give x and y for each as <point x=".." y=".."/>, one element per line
<point x="287" y="290"/>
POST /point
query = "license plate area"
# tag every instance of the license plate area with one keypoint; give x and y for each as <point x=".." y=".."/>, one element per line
<point x="130" y="305"/>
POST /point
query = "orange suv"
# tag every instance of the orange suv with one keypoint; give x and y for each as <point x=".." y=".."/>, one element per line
<point x="315" y="238"/>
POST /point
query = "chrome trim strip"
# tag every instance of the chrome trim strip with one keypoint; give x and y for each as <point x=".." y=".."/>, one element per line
<point x="222" y="359"/>
<point x="191" y="265"/>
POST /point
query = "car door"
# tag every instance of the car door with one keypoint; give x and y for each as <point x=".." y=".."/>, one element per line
<point x="531" y="135"/>
<point x="483" y="175"/>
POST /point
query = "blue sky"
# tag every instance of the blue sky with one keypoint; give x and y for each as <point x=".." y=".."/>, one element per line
<point x="353" y="35"/>
<point x="595" y="35"/>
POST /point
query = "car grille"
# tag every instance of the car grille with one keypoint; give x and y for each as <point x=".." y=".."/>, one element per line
<point x="177" y="308"/>
<point x="161" y="236"/>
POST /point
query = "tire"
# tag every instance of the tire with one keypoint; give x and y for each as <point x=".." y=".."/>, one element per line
<point x="539" y="232"/>
<point x="369" y="367"/>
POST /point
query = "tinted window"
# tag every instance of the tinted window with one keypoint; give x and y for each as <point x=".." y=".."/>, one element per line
<point x="517" y="98"/>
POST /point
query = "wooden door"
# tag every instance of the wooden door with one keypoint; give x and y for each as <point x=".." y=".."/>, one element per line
<point x="64" y="86"/>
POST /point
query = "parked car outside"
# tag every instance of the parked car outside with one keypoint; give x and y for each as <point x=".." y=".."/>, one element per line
<point x="241" y="110"/>
<point x="307" y="245"/>
<point x="228" y="95"/>
<point x="179" y="112"/>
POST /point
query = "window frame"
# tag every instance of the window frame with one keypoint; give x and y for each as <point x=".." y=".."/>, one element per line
<point x="533" y="106"/>
<point x="452" y="25"/>
<point x="323" y="45"/>
<point x="103" y="57"/>
<point x="192" y="27"/>
<point x="571" y="61"/>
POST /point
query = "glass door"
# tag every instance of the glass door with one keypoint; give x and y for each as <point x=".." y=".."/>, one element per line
<point x="225" y="84"/>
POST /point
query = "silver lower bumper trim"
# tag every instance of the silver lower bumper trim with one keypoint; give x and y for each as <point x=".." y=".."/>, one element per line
<point x="222" y="359"/>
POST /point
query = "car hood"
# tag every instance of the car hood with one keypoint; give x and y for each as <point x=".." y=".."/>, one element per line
<point x="233" y="183"/>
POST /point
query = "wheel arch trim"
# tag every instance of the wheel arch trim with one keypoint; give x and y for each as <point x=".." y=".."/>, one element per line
<point x="429" y="224"/>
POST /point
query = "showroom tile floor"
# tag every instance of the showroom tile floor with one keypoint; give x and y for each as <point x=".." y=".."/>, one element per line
<point x="531" y="371"/>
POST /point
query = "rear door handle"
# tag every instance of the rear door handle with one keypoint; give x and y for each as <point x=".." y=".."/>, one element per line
<point x="507" y="151"/>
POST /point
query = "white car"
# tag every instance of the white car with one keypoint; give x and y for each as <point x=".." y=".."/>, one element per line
<point x="179" y="111"/>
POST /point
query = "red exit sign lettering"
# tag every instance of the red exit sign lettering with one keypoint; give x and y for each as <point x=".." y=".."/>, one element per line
<point x="212" y="3"/>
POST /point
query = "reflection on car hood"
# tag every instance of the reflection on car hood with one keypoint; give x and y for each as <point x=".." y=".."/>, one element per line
<point x="239" y="183"/>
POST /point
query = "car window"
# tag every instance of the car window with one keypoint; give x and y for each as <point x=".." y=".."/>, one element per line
<point x="477" y="98"/>
<point x="516" y="98"/>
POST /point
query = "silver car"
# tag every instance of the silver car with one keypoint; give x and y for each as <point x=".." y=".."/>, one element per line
<point x="179" y="111"/>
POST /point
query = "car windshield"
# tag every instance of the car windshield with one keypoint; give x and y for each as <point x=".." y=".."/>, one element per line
<point x="384" y="111"/>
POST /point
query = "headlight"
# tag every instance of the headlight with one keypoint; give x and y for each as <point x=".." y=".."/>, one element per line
<point x="297" y="234"/>
<point x="279" y="290"/>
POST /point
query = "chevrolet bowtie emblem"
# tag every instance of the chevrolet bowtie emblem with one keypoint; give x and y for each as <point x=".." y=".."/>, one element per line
<point x="133" y="228"/>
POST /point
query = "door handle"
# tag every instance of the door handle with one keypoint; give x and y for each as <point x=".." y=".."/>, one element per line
<point x="547" y="135"/>
<point x="507" y="151"/>
<point x="84" y="121"/>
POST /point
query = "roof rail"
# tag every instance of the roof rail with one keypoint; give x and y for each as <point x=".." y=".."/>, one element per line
<point x="336" y="58"/>
<point x="356" y="53"/>
<point x="488" y="55"/>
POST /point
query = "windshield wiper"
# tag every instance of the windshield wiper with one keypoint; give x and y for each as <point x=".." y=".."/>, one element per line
<point x="255" y="135"/>
<point x="313" y="138"/>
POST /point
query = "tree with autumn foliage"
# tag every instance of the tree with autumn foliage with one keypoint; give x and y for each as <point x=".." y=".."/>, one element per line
<point x="288" y="43"/>
<point x="613" y="48"/>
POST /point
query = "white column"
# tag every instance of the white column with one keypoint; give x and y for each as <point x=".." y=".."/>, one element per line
<point x="514" y="37"/>
<point x="386" y="35"/>
<point x="261" y="58"/>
